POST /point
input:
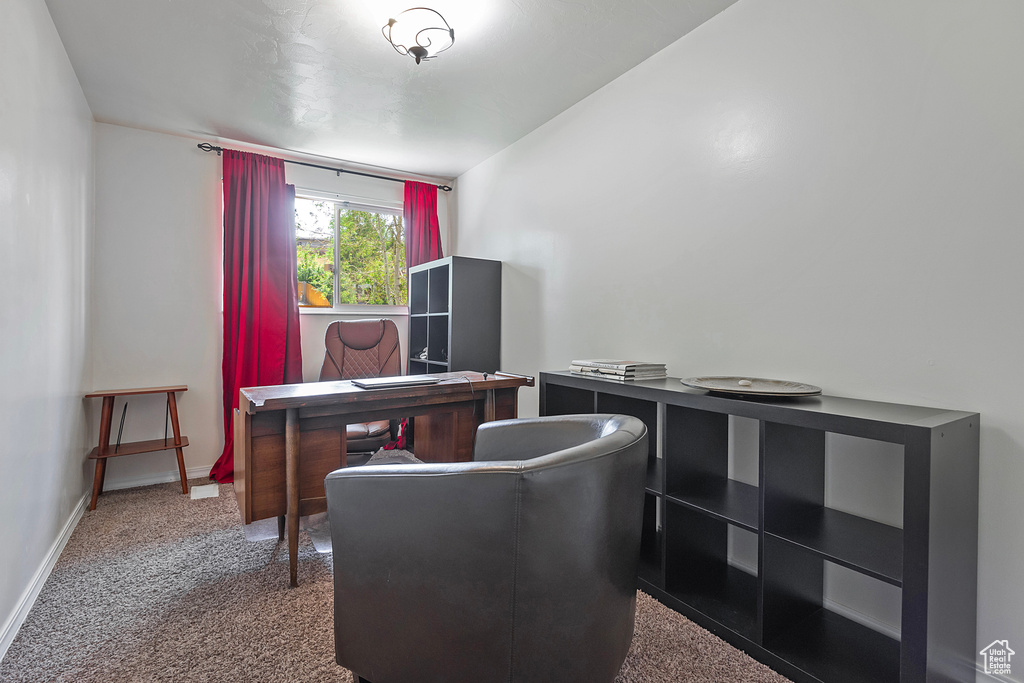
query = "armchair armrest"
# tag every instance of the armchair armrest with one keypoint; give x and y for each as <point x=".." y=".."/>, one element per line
<point x="524" y="439"/>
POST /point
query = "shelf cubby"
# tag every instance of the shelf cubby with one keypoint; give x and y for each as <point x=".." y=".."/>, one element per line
<point x="437" y="292"/>
<point x="437" y="339"/>
<point x="417" y="336"/>
<point x="859" y="544"/>
<point x="699" y="574"/>
<point x="696" y="446"/>
<point x="651" y="543"/>
<point x="418" y="283"/>
<point x="697" y="470"/>
<point x="561" y="400"/>
<point x="821" y="643"/>
<point x="828" y="647"/>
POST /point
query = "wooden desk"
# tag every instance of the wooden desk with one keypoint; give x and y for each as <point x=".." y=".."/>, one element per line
<point x="288" y="438"/>
<point x="104" y="450"/>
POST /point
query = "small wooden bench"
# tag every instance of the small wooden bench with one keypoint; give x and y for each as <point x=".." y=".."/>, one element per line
<point x="104" y="450"/>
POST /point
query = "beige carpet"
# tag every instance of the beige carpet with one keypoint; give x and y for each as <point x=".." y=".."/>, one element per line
<point x="154" y="586"/>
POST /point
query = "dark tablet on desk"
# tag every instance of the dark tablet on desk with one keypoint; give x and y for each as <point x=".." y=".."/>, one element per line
<point x="398" y="381"/>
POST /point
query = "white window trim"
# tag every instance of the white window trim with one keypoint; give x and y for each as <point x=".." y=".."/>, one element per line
<point x="371" y="310"/>
<point x="359" y="204"/>
<point x="362" y="203"/>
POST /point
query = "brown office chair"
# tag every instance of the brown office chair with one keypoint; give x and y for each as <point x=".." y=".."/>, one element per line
<point x="356" y="349"/>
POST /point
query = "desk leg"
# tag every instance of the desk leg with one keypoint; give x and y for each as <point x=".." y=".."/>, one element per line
<point x="489" y="406"/>
<point x="173" y="405"/>
<point x="106" y="416"/>
<point x="291" y="460"/>
<point x="344" y="445"/>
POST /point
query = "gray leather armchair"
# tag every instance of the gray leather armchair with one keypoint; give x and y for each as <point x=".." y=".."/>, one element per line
<point x="518" y="566"/>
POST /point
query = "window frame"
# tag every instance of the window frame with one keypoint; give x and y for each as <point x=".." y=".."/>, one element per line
<point x="341" y="203"/>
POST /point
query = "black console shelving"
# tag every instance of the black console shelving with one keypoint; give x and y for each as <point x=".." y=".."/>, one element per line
<point x="777" y="611"/>
<point x="454" y="315"/>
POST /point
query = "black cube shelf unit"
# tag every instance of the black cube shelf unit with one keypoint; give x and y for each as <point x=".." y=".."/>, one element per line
<point x="779" y="614"/>
<point x="455" y="315"/>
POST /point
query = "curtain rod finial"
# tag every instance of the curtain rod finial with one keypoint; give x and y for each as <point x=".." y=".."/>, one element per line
<point x="207" y="147"/>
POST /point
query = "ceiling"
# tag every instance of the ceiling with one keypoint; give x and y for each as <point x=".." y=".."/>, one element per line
<point x="317" y="76"/>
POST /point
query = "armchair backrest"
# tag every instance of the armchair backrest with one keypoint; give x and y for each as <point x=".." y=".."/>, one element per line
<point x="518" y="566"/>
<point x="355" y="349"/>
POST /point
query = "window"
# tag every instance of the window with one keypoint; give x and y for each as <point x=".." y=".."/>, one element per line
<point x="349" y="254"/>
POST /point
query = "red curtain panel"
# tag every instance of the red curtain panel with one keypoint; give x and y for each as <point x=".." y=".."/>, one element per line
<point x="261" y="310"/>
<point x="422" y="236"/>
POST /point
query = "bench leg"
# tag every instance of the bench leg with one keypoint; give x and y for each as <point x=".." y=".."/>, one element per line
<point x="173" y="405"/>
<point x="106" y="418"/>
<point x="97" y="481"/>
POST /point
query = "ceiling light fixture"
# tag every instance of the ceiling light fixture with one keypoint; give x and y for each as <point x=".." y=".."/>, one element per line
<point x="420" y="32"/>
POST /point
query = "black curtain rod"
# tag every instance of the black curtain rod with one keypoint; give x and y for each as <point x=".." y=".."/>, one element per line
<point x="207" y="147"/>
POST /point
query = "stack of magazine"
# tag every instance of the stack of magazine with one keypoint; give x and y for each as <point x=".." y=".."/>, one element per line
<point x="622" y="370"/>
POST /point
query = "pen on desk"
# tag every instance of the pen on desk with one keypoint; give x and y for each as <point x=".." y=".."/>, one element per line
<point x="529" y="378"/>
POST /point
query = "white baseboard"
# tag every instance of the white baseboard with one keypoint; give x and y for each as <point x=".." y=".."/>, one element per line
<point x="14" y="621"/>
<point x="28" y="598"/>
<point x="155" y="478"/>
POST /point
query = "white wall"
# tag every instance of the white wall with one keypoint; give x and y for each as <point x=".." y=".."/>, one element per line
<point x="826" y="192"/>
<point x="157" y="294"/>
<point x="45" y="241"/>
<point x="157" y="288"/>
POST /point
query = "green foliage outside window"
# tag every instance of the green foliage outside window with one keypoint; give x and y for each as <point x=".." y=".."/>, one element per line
<point x="312" y="268"/>
<point x="371" y="254"/>
<point x="371" y="259"/>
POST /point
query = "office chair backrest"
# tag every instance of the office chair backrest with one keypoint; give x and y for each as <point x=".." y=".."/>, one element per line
<point x="361" y="348"/>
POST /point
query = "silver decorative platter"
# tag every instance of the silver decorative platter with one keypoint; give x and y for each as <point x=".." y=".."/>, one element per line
<point x="752" y="386"/>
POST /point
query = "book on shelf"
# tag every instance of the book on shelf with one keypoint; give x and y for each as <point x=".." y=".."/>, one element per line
<point x="621" y="373"/>
<point x="613" y="364"/>
<point x="611" y="373"/>
<point x="617" y="378"/>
